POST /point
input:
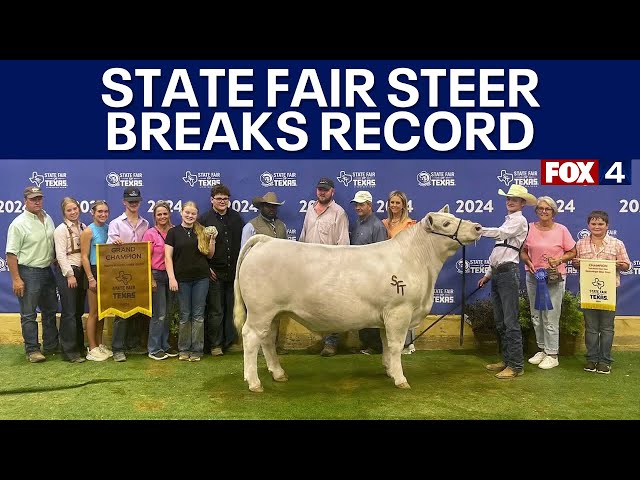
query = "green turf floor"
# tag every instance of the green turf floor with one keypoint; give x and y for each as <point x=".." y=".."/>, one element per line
<point x="445" y="385"/>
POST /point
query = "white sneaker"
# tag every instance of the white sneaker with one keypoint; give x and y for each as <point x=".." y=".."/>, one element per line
<point x="96" y="355"/>
<point x="409" y="349"/>
<point x="548" y="362"/>
<point x="105" y="350"/>
<point x="537" y="358"/>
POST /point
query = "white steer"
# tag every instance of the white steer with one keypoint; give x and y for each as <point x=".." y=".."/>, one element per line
<point x="335" y="288"/>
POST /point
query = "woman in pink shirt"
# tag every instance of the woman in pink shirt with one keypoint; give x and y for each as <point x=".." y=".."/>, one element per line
<point x="548" y="244"/>
<point x="158" y="343"/>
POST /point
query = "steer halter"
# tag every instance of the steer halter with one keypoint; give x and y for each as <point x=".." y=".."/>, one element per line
<point x="455" y="234"/>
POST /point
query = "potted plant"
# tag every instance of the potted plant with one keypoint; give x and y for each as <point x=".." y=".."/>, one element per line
<point x="479" y="315"/>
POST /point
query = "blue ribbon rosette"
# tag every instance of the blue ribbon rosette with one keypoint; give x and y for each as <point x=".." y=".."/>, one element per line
<point x="543" y="301"/>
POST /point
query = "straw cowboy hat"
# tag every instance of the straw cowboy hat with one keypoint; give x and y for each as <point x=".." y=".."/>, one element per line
<point x="520" y="192"/>
<point x="269" y="197"/>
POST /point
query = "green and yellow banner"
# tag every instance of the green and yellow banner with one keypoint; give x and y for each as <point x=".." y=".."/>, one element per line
<point x="124" y="279"/>
<point x="598" y="284"/>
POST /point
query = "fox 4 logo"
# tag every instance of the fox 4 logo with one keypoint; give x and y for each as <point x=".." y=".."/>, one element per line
<point x="585" y="172"/>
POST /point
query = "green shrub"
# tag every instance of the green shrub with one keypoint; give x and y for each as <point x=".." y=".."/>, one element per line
<point x="524" y="312"/>
<point x="174" y="318"/>
<point x="571" y="317"/>
<point x="480" y="316"/>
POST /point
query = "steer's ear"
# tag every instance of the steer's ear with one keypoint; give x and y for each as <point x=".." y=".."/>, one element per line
<point x="445" y="209"/>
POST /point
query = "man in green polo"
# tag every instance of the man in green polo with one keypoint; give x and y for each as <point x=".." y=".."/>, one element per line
<point x="30" y="253"/>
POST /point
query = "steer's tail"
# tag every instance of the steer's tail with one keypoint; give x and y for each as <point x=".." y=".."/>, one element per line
<point x="239" y="309"/>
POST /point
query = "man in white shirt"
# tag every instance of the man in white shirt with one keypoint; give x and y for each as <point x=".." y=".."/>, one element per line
<point x="504" y="273"/>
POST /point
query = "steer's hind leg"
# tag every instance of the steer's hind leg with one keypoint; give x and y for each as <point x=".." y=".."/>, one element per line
<point x="250" y="345"/>
<point x="270" y="354"/>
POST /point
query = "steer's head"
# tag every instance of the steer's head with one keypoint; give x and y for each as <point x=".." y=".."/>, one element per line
<point x="444" y="223"/>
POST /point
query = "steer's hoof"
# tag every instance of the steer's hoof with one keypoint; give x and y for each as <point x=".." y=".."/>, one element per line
<point x="257" y="389"/>
<point x="281" y="378"/>
<point x="403" y="385"/>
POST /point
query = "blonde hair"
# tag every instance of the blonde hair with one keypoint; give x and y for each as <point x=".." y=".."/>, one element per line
<point x="203" y="240"/>
<point x="65" y="201"/>
<point x="165" y="204"/>
<point x="404" y="213"/>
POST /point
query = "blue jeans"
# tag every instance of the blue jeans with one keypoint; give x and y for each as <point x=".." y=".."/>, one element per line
<point x="546" y="323"/>
<point x="331" y="339"/>
<point x="192" y="297"/>
<point x="39" y="291"/>
<point x="370" y="338"/>
<point x="221" y="331"/>
<point x="504" y="294"/>
<point x="126" y="332"/>
<point x="598" y="335"/>
<point x="72" y="302"/>
<point x="161" y="304"/>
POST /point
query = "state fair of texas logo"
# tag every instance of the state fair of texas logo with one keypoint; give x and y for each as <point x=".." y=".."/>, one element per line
<point x="201" y="179"/>
<point x="359" y="179"/>
<point x="526" y="178"/>
<point x="49" y="179"/>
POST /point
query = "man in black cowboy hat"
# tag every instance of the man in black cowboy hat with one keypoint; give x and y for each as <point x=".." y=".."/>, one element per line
<point x="267" y="223"/>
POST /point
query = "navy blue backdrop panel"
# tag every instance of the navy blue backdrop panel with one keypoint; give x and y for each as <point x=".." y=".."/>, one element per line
<point x="468" y="187"/>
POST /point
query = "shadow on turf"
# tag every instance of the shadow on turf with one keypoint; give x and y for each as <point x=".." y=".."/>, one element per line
<point x="53" y="389"/>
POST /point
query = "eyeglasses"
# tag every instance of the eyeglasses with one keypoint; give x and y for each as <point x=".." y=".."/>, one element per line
<point x="221" y="199"/>
<point x="544" y="209"/>
<point x="35" y="199"/>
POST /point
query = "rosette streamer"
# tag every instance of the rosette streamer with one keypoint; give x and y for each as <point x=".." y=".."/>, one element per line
<point x="543" y="301"/>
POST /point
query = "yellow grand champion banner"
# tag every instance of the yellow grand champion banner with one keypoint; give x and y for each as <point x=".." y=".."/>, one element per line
<point x="124" y="279"/>
<point x="598" y="284"/>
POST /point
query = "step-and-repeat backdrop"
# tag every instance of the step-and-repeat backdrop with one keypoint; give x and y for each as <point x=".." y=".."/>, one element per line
<point x="469" y="187"/>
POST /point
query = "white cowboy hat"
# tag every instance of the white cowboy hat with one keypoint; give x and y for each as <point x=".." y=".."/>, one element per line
<point x="520" y="192"/>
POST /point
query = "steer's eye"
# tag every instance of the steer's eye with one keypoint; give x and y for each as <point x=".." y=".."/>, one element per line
<point x="446" y="224"/>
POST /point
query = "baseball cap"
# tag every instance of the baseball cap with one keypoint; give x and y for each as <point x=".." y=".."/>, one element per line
<point x="325" y="182"/>
<point x="32" y="192"/>
<point x="132" y="193"/>
<point x="362" y="196"/>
